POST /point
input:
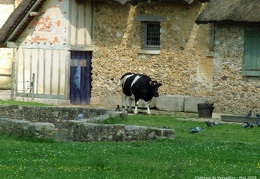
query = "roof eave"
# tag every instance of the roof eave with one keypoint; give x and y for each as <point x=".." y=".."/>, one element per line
<point x="18" y="21"/>
<point x="134" y="2"/>
<point x="225" y="22"/>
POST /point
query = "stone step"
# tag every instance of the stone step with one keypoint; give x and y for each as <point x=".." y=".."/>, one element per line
<point x="84" y="130"/>
<point x="89" y="132"/>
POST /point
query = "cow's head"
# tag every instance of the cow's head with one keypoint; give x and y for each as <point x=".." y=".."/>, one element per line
<point x="155" y="85"/>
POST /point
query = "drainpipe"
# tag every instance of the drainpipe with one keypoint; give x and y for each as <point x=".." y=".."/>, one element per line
<point x="13" y="74"/>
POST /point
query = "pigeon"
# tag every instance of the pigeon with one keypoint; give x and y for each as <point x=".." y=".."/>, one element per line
<point x="248" y="124"/>
<point x="117" y="108"/>
<point x="251" y="125"/>
<point x="217" y="123"/>
<point x="249" y="113"/>
<point x="81" y="115"/>
<point x="208" y="123"/>
<point x="197" y="129"/>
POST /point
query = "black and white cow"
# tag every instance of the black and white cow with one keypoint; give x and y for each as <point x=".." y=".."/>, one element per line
<point x="138" y="86"/>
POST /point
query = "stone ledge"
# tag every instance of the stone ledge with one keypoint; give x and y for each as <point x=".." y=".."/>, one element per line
<point x="50" y="114"/>
<point x="147" y="51"/>
<point x="83" y="131"/>
<point x="89" y="132"/>
<point x="179" y="103"/>
<point x="27" y="128"/>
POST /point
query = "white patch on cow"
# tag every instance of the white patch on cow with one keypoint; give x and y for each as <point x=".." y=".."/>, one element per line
<point x="135" y="80"/>
<point x="122" y="81"/>
<point x="126" y="99"/>
<point x="147" y="106"/>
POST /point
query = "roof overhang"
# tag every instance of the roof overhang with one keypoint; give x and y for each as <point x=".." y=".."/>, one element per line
<point x="230" y="11"/>
<point x="18" y="20"/>
<point x="134" y="2"/>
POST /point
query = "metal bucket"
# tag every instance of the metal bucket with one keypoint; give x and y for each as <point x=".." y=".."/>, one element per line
<point x="205" y="110"/>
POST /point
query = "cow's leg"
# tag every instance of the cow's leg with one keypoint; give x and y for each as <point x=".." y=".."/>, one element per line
<point x="148" y="107"/>
<point x="130" y="104"/>
<point x="124" y="101"/>
<point x="136" y="107"/>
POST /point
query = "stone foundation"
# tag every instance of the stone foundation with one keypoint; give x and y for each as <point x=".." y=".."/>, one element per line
<point x="59" y="124"/>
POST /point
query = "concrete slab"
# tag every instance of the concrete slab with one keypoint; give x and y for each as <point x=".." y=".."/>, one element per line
<point x="170" y="103"/>
<point x="5" y="94"/>
<point x="190" y="103"/>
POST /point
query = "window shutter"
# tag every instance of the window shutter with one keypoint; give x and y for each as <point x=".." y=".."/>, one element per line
<point x="251" y="53"/>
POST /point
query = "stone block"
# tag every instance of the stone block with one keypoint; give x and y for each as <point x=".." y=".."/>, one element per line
<point x="190" y="103"/>
<point x="173" y="103"/>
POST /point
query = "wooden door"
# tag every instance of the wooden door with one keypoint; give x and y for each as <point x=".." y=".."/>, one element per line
<point x="80" y="77"/>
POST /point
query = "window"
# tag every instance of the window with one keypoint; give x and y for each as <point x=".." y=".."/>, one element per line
<point x="251" y="53"/>
<point x="152" y="35"/>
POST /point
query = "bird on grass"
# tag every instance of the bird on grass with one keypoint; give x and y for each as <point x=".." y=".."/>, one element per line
<point x="118" y="108"/>
<point x="217" y="123"/>
<point x="249" y="114"/>
<point x="208" y="123"/>
<point x="81" y="115"/>
<point x="197" y="129"/>
<point x="248" y="124"/>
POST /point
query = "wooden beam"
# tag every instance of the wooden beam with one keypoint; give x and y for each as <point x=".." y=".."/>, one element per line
<point x="12" y="45"/>
<point x="36" y="13"/>
<point x="7" y="75"/>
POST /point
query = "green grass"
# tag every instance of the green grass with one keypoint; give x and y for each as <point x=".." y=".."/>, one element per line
<point x="220" y="151"/>
<point x="22" y="103"/>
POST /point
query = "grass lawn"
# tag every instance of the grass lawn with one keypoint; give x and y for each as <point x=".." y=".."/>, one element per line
<point x="221" y="151"/>
<point x="22" y="103"/>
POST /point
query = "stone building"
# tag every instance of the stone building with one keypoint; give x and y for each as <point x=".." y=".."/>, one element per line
<point x="180" y="61"/>
<point x="236" y="34"/>
<point x="75" y="51"/>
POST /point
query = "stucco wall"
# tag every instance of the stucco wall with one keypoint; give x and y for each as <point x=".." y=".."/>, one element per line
<point x="49" y="28"/>
<point x="182" y="65"/>
<point x="233" y="92"/>
<point x="6" y="55"/>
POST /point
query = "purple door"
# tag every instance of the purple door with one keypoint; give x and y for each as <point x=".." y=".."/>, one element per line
<point x="80" y="77"/>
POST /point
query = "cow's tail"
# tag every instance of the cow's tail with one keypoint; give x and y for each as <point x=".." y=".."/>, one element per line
<point x="119" y="82"/>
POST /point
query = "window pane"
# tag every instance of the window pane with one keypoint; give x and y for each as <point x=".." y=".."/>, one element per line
<point x="152" y="34"/>
<point x="252" y="53"/>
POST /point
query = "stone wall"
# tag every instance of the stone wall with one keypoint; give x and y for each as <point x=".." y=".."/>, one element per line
<point x="59" y="124"/>
<point x="233" y="92"/>
<point x="83" y="132"/>
<point x="59" y="116"/>
<point x="182" y="65"/>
